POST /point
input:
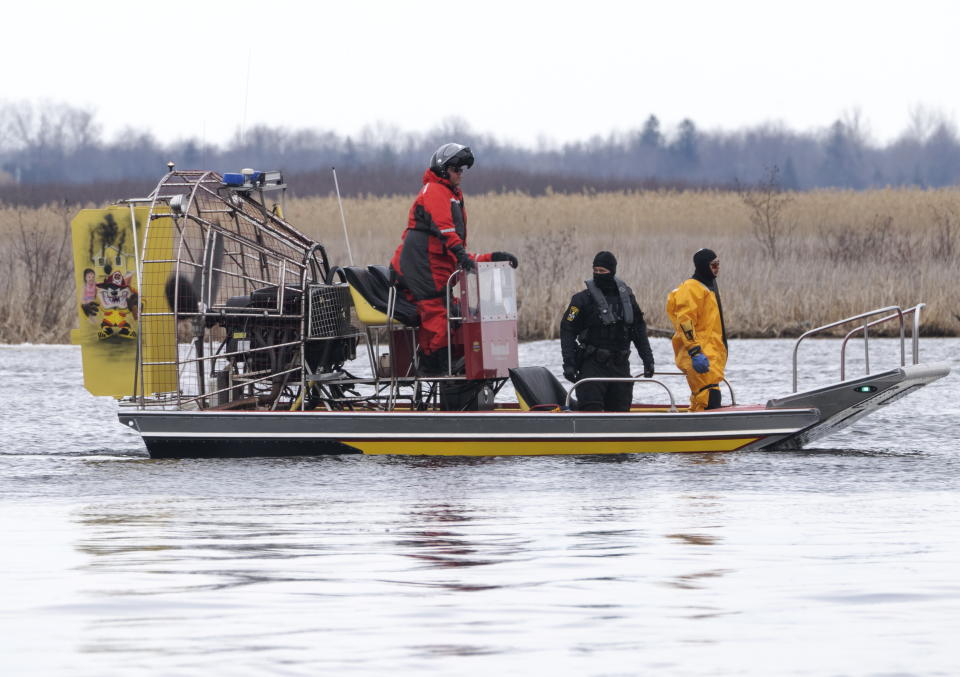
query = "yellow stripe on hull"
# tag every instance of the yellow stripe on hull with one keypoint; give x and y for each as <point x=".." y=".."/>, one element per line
<point x="543" y="447"/>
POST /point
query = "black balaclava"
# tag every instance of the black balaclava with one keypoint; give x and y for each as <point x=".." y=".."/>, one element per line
<point x="605" y="281"/>
<point x="702" y="273"/>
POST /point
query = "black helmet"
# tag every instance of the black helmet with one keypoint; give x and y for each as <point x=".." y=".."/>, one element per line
<point x="450" y="155"/>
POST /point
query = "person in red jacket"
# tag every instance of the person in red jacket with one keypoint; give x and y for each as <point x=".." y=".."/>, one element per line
<point x="434" y="244"/>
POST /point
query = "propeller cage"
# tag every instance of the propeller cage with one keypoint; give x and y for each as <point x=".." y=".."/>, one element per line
<point x="224" y="281"/>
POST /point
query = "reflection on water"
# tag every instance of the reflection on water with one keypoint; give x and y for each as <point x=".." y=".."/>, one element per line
<point x="694" y="539"/>
<point x="498" y="563"/>
<point x="695" y="580"/>
<point x="443" y="545"/>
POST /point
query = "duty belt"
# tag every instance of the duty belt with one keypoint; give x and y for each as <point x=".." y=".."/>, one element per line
<point x="602" y="355"/>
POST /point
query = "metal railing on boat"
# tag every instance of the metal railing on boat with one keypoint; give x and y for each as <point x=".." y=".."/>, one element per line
<point x="733" y="396"/>
<point x="896" y="312"/>
<point x="633" y="379"/>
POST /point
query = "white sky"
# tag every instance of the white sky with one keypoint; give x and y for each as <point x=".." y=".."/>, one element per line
<point x="529" y="72"/>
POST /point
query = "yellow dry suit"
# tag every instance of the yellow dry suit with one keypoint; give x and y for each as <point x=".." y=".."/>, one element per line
<point x="695" y="313"/>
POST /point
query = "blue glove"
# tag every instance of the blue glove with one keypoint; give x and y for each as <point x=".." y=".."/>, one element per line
<point x="701" y="364"/>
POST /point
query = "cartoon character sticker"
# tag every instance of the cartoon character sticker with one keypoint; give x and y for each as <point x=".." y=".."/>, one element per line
<point x="111" y="304"/>
<point x="117" y="301"/>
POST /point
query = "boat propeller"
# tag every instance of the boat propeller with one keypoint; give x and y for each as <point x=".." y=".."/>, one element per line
<point x="189" y="296"/>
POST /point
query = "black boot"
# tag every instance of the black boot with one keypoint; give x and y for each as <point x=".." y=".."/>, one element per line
<point x="434" y="364"/>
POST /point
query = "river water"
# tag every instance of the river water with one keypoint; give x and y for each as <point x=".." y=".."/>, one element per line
<point x="838" y="560"/>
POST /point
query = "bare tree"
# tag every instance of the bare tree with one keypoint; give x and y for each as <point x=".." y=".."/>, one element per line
<point x="767" y="202"/>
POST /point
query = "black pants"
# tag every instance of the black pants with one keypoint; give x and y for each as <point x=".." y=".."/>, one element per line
<point x="605" y="396"/>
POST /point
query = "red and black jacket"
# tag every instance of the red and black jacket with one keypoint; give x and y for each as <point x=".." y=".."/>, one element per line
<point x="436" y="233"/>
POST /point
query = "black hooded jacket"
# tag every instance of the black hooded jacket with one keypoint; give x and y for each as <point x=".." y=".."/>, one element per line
<point x="582" y="326"/>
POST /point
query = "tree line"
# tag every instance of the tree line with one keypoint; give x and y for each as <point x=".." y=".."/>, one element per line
<point x="58" y="151"/>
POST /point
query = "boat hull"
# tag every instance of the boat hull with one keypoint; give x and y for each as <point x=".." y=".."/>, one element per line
<point x="843" y="404"/>
<point x="785" y="423"/>
<point x="186" y="434"/>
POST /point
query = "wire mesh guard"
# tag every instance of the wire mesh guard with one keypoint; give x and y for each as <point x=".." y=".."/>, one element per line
<point x="332" y="312"/>
<point x="222" y="280"/>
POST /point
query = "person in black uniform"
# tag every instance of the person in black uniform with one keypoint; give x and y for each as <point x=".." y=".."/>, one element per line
<point x="595" y="336"/>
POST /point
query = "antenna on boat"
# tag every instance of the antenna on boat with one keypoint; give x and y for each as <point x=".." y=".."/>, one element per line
<point x="343" y="219"/>
<point x="246" y="98"/>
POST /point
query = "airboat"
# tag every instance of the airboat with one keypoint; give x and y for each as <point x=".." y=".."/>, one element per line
<point x="223" y="330"/>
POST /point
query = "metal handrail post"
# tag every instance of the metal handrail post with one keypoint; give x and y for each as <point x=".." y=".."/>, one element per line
<point x="903" y="341"/>
<point x="673" y="403"/>
<point x="449" y="347"/>
<point x="866" y="348"/>
<point x="733" y="397"/>
<point x="916" y="332"/>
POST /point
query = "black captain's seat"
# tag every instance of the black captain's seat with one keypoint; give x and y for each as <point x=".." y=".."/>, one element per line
<point x="370" y="288"/>
<point x="381" y="274"/>
<point x="538" y="389"/>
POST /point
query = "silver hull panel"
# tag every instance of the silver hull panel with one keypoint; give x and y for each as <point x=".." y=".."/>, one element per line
<point x="843" y="404"/>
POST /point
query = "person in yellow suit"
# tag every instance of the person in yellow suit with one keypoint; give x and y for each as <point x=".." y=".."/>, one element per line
<point x="700" y="338"/>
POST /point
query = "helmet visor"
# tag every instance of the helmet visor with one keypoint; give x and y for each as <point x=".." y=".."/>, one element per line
<point x="462" y="158"/>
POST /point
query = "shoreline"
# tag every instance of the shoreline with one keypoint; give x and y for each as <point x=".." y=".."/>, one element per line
<point x="734" y="337"/>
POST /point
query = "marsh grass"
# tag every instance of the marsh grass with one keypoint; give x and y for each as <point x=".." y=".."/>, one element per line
<point x="845" y="252"/>
<point x="36" y="275"/>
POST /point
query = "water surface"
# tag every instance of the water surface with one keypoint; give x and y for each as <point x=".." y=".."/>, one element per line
<point x="835" y="560"/>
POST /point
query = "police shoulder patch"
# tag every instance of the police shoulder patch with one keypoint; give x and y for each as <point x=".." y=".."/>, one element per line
<point x="572" y="313"/>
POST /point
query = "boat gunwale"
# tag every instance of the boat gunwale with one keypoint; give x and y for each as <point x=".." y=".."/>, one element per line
<point x="448" y="414"/>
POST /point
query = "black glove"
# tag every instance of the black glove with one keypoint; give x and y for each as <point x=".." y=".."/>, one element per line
<point x="463" y="258"/>
<point x="570" y="373"/>
<point x="505" y="256"/>
<point x="648" y="370"/>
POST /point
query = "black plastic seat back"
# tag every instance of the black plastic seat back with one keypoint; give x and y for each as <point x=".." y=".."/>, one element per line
<point x="381" y="274"/>
<point x="373" y="284"/>
<point x="403" y="310"/>
<point x="361" y="280"/>
<point x="538" y="388"/>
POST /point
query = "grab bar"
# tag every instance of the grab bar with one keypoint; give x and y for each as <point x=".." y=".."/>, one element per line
<point x="915" y="343"/>
<point x="673" y="403"/>
<point x="733" y="397"/>
<point x="898" y="313"/>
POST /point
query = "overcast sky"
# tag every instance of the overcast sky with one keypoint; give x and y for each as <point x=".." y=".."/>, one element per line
<point x="527" y="72"/>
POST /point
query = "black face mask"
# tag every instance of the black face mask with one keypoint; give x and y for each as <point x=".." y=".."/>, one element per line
<point x="605" y="281"/>
<point x="703" y="273"/>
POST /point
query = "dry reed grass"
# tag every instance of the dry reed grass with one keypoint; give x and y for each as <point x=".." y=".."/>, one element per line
<point x="841" y="252"/>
